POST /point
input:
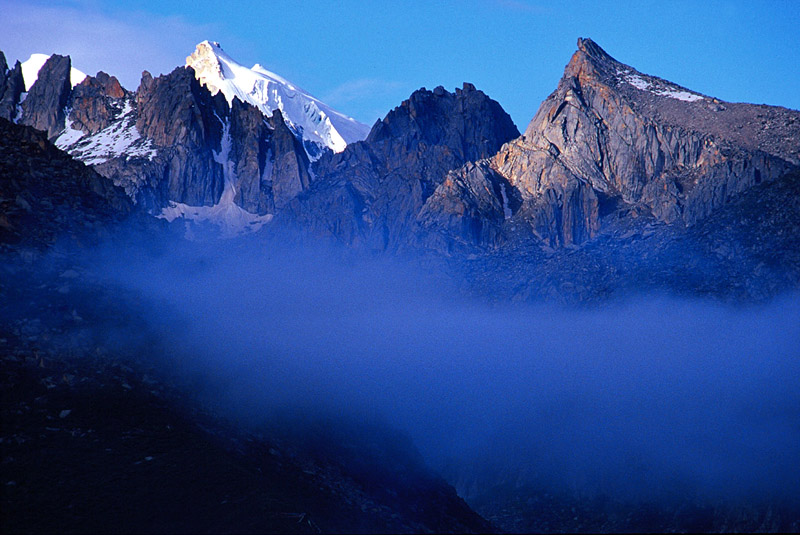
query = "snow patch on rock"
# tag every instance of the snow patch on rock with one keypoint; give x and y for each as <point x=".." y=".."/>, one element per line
<point x="120" y="138"/>
<point x="658" y="87"/>
<point x="231" y="219"/>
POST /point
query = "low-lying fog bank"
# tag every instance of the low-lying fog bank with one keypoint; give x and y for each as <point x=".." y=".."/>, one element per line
<point x="653" y="399"/>
<point x="650" y="398"/>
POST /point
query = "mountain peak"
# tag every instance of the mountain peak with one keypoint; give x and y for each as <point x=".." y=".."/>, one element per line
<point x="32" y="66"/>
<point x="319" y="125"/>
<point x="593" y="50"/>
<point x="590" y="64"/>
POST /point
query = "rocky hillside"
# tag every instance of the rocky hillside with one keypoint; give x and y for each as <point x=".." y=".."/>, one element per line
<point x="46" y="196"/>
<point x="97" y="438"/>
<point x="747" y="250"/>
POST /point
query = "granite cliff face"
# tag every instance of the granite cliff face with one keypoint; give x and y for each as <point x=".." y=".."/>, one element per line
<point x="44" y="108"/>
<point x="12" y="86"/>
<point x="177" y="149"/>
<point x="371" y="193"/>
<point x="611" y="139"/>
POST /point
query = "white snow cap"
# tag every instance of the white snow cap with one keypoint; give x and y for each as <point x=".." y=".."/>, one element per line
<point x="306" y="115"/>
<point x="32" y="66"/>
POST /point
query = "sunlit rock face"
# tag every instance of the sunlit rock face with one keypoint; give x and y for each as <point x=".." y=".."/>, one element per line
<point x="611" y="136"/>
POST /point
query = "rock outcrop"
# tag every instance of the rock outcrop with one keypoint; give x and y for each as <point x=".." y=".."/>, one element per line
<point x="469" y="208"/>
<point x="96" y="102"/>
<point x="12" y="86"/>
<point x="46" y="104"/>
<point x="372" y="192"/>
<point x="270" y="164"/>
<point x="611" y="138"/>
<point x="186" y="124"/>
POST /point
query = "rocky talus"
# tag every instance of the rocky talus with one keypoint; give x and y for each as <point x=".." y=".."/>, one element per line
<point x="45" y="195"/>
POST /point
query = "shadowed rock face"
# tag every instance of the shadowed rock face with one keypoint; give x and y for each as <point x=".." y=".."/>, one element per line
<point x="172" y="131"/>
<point x="372" y="192"/>
<point x="47" y="99"/>
<point x="185" y="122"/>
<point x="11" y="87"/>
<point x="611" y="137"/>
<point x="270" y="163"/>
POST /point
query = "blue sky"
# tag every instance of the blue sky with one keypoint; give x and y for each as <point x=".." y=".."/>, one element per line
<point x="364" y="58"/>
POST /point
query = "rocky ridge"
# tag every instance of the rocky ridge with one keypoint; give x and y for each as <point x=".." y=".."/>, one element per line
<point x="371" y="193"/>
<point x="443" y="172"/>
<point x="46" y="196"/>
<point x="177" y="150"/>
<point x="610" y="138"/>
<point x="319" y="126"/>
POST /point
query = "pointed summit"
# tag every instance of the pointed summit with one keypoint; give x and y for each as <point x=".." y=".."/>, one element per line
<point x="593" y="50"/>
<point x="590" y="61"/>
<point x="319" y="125"/>
<point x="32" y="66"/>
<point x="590" y="64"/>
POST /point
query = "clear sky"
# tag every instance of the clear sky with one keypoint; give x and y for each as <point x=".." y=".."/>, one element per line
<point x="365" y="57"/>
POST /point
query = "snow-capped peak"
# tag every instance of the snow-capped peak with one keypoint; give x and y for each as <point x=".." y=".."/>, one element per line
<point x="32" y="66"/>
<point x="308" y="116"/>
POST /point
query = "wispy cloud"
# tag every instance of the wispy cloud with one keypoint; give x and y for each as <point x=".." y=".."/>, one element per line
<point x="122" y="45"/>
<point x="373" y="95"/>
<point x="522" y="6"/>
<point x="354" y="90"/>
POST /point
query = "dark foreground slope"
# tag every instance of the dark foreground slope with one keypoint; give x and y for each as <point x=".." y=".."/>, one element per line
<point x="97" y="437"/>
<point x="94" y="440"/>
